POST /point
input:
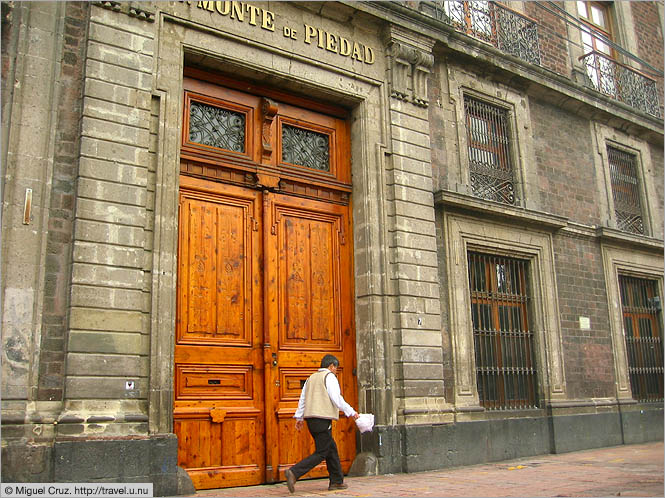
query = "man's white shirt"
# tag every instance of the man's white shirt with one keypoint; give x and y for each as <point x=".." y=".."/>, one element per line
<point x="332" y="386"/>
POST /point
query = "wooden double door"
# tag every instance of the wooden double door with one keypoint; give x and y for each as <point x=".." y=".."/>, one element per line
<point x="265" y="289"/>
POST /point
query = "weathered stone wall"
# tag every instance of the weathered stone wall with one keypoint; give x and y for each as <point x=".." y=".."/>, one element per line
<point x="33" y="165"/>
<point x="658" y="178"/>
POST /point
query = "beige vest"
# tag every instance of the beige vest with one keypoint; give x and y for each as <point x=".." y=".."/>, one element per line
<point x="317" y="401"/>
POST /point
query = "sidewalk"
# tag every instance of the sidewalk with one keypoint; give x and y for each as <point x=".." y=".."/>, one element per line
<point x="628" y="470"/>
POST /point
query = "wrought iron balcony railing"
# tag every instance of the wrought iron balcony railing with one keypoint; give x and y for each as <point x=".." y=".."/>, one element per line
<point x="518" y="35"/>
<point x="622" y="83"/>
<point x="507" y="30"/>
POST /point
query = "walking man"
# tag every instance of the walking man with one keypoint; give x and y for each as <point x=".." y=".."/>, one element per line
<point x="320" y="403"/>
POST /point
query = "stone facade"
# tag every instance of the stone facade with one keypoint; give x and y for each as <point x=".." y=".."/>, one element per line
<point x="92" y="117"/>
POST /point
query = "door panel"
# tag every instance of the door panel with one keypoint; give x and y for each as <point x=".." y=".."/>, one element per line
<point x="310" y="276"/>
<point x="219" y="407"/>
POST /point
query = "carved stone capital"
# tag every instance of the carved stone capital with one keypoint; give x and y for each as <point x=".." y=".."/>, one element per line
<point x="410" y="60"/>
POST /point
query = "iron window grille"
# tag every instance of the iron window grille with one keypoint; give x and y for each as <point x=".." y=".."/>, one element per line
<point x="489" y="147"/>
<point x="625" y="190"/>
<point x="216" y="127"/>
<point x="503" y="341"/>
<point x="641" y="308"/>
<point x="305" y="148"/>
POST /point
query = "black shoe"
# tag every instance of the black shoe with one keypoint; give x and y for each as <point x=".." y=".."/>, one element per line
<point x="341" y="485"/>
<point x="290" y="480"/>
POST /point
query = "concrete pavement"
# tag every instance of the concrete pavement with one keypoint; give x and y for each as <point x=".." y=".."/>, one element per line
<point x="627" y="470"/>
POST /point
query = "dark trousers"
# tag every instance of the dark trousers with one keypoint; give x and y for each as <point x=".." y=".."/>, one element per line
<point x="321" y="431"/>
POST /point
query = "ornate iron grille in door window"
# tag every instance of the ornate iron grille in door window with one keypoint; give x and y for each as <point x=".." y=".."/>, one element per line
<point x="503" y="341"/>
<point x="217" y="127"/>
<point x="625" y="189"/>
<point x="641" y="306"/>
<point x="488" y="140"/>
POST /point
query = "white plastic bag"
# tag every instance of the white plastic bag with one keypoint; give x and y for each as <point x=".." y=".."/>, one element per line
<point x="365" y="422"/>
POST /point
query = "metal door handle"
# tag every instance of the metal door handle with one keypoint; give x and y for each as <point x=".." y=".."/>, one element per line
<point x="274" y="359"/>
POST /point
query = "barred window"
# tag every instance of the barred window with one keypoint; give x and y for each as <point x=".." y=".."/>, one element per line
<point x="490" y="161"/>
<point x="641" y="306"/>
<point x="505" y="370"/>
<point x="625" y="189"/>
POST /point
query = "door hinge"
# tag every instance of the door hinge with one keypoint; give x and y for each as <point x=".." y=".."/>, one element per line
<point x="255" y="224"/>
<point x="342" y="238"/>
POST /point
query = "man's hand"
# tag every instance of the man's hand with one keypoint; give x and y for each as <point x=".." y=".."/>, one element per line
<point x="355" y="417"/>
<point x="299" y="423"/>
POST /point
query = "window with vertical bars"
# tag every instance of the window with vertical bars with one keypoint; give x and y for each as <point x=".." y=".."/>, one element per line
<point x="642" y="321"/>
<point x="503" y="341"/>
<point x="625" y="190"/>
<point x="489" y="144"/>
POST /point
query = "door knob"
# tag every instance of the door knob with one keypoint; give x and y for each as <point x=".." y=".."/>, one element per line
<point x="274" y="359"/>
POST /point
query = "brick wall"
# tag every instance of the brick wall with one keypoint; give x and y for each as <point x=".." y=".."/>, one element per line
<point x="566" y="176"/>
<point x="552" y="35"/>
<point x="588" y="355"/>
<point x="649" y="36"/>
<point x="60" y="230"/>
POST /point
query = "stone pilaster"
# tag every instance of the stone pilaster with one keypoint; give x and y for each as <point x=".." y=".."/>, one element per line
<point x="109" y="315"/>
<point x="416" y="321"/>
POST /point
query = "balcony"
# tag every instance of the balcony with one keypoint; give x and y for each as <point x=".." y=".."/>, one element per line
<point x="505" y="29"/>
<point x="621" y="83"/>
<point x="519" y="35"/>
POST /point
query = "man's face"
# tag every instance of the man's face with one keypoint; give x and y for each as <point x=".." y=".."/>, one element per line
<point x="333" y="369"/>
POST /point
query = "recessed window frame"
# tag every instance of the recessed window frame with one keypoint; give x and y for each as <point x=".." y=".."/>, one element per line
<point x="643" y="331"/>
<point x="626" y="261"/>
<point x="463" y="234"/>
<point x="504" y="343"/>
<point x="606" y="136"/>
<point x="208" y="150"/>
<point x="591" y="27"/>
<point x="623" y="187"/>
<point x="461" y="82"/>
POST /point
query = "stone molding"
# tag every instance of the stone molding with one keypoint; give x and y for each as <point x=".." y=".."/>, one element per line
<point x="140" y="10"/>
<point x="500" y="211"/>
<point x="462" y="233"/>
<point x="605" y="136"/>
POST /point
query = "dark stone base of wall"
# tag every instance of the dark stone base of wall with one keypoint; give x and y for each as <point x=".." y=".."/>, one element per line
<point x="416" y="448"/>
<point x="123" y="460"/>
<point x="411" y="448"/>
